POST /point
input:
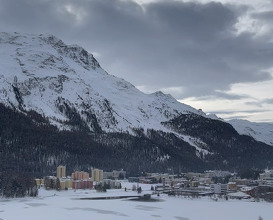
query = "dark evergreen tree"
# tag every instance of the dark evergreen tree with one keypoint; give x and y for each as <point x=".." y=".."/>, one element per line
<point x="58" y="184"/>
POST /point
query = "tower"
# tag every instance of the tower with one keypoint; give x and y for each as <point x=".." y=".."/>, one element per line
<point x="61" y="172"/>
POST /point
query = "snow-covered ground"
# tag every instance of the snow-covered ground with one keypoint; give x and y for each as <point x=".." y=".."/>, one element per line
<point x="66" y="205"/>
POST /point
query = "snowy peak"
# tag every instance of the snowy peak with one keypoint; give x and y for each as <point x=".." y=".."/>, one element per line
<point x="45" y="55"/>
<point x="75" y="52"/>
<point x="67" y="85"/>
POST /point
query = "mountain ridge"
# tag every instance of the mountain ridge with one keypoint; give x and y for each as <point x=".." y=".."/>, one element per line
<point x="62" y="89"/>
<point x="259" y="131"/>
<point x="68" y="73"/>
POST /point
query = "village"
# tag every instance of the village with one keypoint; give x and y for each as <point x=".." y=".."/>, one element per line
<point x="215" y="184"/>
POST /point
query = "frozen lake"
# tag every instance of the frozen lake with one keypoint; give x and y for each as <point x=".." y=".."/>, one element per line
<point x="67" y="205"/>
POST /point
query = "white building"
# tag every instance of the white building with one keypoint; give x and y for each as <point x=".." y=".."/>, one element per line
<point x="116" y="174"/>
<point x="219" y="188"/>
<point x="266" y="178"/>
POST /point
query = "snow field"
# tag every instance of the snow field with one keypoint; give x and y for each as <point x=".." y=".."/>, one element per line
<point x="66" y="205"/>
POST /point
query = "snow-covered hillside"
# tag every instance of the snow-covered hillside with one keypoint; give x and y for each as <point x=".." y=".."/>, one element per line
<point x="260" y="131"/>
<point x="66" y="84"/>
<point x="41" y="73"/>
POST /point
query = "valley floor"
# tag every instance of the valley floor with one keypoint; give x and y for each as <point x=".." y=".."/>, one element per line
<point x="66" y="205"/>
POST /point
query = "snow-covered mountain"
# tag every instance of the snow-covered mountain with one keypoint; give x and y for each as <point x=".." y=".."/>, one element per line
<point x="43" y="74"/>
<point x="103" y="121"/>
<point x="260" y="131"/>
<point x="66" y="84"/>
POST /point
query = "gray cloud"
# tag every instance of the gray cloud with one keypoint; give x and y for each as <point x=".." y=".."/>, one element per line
<point x="216" y="95"/>
<point x="229" y="115"/>
<point x="261" y="103"/>
<point x="157" y="45"/>
<point x="244" y="111"/>
<point x="255" y="103"/>
<point x="266" y="15"/>
<point x="236" y="117"/>
<point x="268" y="101"/>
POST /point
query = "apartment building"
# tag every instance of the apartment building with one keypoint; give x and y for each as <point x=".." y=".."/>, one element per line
<point x="219" y="188"/>
<point x="61" y="172"/>
<point x="97" y="175"/>
<point x="80" y="175"/>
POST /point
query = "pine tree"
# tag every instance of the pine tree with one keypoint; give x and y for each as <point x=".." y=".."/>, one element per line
<point x="58" y="184"/>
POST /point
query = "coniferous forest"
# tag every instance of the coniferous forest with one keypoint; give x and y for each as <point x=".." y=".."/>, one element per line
<point x="31" y="147"/>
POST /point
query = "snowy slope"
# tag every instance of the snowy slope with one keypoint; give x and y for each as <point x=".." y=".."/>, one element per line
<point x="41" y="73"/>
<point x="64" y="82"/>
<point x="260" y="131"/>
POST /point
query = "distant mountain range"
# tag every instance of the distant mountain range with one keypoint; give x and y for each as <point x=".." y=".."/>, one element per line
<point x="260" y="131"/>
<point x="48" y="85"/>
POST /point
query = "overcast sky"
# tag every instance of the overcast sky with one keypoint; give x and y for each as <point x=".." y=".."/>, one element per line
<point x="217" y="56"/>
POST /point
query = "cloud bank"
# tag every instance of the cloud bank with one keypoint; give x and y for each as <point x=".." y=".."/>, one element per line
<point x="189" y="49"/>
